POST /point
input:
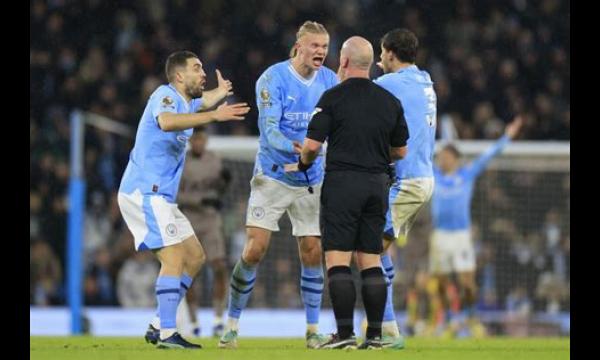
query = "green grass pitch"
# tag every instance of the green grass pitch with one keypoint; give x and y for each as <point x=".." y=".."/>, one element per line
<point x="108" y="348"/>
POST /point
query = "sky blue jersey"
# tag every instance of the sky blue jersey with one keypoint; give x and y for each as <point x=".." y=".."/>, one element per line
<point x="286" y="102"/>
<point x="156" y="161"/>
<point x="452" y="193"/>
<point x="414" y="89"/>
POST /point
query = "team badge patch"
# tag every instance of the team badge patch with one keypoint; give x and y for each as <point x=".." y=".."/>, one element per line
<point x="167" y="101"/>
<point x="171" y="230"/>
<point x="264" y="94"/>
<point x="258" y="212"/>
<point x="265" y="98"/>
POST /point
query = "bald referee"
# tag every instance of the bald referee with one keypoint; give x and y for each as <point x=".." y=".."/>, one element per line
<point x="366" y="130"/>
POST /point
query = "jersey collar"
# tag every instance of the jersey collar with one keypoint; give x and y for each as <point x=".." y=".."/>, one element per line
<point x="299" y="77"/>
<point x="408" y="68"/>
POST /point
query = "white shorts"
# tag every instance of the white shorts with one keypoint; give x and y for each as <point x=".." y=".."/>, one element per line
<point x="451" y="251"/>
<point x="405" y="202"/>
<point x="269" y="199"/>
<point x="154" y="222"/>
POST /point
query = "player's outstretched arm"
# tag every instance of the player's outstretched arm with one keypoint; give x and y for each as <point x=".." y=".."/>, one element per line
<point x="510" y="133"/>
<point x="212" y="97"/>
<point x="225" y="112"/>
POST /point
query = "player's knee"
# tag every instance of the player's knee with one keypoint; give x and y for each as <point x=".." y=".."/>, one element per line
<point x="201" y="258"/>
<point x="195" y="259"/>
<point x="256" y="246"/>
<point x="388" y="240"/>
<point x="254" y="253"/>
<point x="171" y="259"/>
<point x="171" y="266"/>
<point x="311" y="254"/>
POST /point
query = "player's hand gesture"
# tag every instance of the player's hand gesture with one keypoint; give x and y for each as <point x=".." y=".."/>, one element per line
<point x="513" y="128"/>
<point x="290" y="167"/>
<point x="297" y="147"/>
<point x="226" y="112"/>
<point x="224" y="87"/>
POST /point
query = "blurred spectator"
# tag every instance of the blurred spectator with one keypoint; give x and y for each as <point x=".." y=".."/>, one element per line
<point x="45" y="275"/>
<point x="486" y="268"/>
<point x="488" y="300"/>
<point x="518" y="303"/>
<point x="552" y="290"/>
<point x="234" y="227"/>
<point x="554" y="244"/>
<point x="97" y="226"/>
<point x="420" y="301"/>
<point x="35" y="209"/>
<point x="98" y="282"/>
<point x="136" y="281"/>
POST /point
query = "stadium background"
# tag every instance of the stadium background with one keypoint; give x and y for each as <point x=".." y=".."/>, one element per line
<point x="489" y="60"/>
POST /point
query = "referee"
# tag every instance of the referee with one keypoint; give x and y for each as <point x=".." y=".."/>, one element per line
<point x="365" y="129"/>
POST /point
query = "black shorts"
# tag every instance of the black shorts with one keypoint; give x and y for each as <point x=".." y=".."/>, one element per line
<point x="353" y="208"/>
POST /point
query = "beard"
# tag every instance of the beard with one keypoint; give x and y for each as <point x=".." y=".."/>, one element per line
<point x="193" y="92"/>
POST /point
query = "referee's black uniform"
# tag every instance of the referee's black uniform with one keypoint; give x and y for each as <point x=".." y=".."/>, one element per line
<point x="360" y="121"/>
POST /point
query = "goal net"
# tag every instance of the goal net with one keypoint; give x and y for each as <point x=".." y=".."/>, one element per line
<point x="521" y="230"/>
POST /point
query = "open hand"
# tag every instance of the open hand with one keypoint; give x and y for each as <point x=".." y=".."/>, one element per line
<point x="224" y="87"/>
<point x="513" y="128"/>
<point x="226" y="112"/>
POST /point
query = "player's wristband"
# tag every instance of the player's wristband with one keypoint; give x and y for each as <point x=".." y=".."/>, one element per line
<point x="302" y="166"/>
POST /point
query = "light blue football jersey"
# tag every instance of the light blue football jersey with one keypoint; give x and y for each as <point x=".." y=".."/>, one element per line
<point x="286" y="102"/>
<point x="156" y="161"/>
<point x="452" y="194"/>
<point x="414" y="89"/>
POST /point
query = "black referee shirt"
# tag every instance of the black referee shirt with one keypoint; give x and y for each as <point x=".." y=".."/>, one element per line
<point x="360" y="121"/>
